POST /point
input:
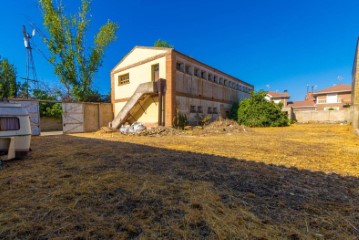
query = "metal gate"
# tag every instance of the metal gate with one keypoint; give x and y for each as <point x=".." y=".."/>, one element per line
<point x="32" y="106"/>
<point x="73" y="117"/>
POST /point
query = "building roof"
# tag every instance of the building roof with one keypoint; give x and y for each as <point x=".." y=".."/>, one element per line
<point x="335" y="89"/>
<point x="302" y="104"/>
<point x="278" y="95"/>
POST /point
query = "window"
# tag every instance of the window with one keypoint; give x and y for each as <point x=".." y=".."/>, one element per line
<point x="215" y="110"/>
<point x="188" y="69"/>
<point x="197" y="72"/>
<point x="180" y="66"/>
<point x="210" y="77"/>
<point x="209" y="111"/>
<point x="215" y="79"/>
<point x="124" y="79"/>
<point x="199" y="109"/>
<point x="332" y="98"/>
<point x="155" y="72"/>
<point x="9" y="123"/>
<point x="203" y="75"/>
<point x="192" y="109"/>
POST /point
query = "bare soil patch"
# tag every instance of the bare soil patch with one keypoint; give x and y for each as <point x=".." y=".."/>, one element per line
<point x="298" y="182"/>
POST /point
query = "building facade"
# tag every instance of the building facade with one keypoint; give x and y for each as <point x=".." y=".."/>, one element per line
<point x="152" y="85"/>
<point x="333" y="98"/>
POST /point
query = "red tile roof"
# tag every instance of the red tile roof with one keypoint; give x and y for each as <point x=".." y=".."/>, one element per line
<point x="306" y="103"/>
<point x="336" y="88"/>
<point x="278" y="95"/>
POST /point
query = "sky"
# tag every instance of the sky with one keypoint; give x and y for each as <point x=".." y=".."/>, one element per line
<point x="274" y="45"/>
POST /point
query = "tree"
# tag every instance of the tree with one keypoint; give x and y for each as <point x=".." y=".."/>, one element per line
<point x="75" y="63"/>
<point x="233" y="114"/>
<point x="162" y="43"/>
<point x="256" y="111"/>
<point x="48" y="108"/>
<point x="8" y="84"/>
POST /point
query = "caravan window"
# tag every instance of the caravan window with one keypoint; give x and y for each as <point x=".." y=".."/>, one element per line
<point x="9" y="123"/>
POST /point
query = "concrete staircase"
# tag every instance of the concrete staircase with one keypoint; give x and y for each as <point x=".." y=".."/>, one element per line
<point x="143" y="90"/>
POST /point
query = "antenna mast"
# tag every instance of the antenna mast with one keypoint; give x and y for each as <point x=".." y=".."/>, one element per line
<point x="30" y="64"/>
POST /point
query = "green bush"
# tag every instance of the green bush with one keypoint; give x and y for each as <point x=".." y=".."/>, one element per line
<point x="48" y="109"/>
<point x="233" y="114"/>
<point x="180" y="120"/>
<point x="256" y="111"/>
<point x="203" y="120"/>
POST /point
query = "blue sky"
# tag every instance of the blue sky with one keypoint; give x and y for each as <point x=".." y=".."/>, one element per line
<point x="283" y="44"/>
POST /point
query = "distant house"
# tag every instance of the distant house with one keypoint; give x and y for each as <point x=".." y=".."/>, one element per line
<point x="307" y="105"/>
<point x="278" y="97"/>
<point x="333" y="98"/>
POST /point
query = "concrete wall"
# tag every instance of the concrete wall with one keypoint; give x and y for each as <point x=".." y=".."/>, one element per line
<point x="33" y="108"/>
<point x="50" y="124"/>
<point x="138" y="54"/>
<point x="184" y="104"/>
<point x="147" y="112"/>
<point x="138" y="74"/>
<point x="85" y="117"/>
<point x="323" y="116"/>
<point x="212" y="89"/>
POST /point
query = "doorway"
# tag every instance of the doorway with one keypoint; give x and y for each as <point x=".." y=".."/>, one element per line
<point x="155" y="72"/>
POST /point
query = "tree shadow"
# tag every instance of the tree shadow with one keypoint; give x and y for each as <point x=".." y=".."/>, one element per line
<point x="107" y="189"/>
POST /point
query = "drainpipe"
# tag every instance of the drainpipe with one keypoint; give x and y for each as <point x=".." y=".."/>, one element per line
<point x="159" y="90"/>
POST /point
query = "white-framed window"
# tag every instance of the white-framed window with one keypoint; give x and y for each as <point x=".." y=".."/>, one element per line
<point x="124" y="79"/>
<point x="332" y="98"/>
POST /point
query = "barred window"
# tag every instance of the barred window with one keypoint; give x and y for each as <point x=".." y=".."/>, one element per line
<point x="192" y="109"/>
<point x="124" y="79"/>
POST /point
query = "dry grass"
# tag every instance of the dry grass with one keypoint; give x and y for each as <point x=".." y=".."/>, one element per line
<point x="299" y="182"/>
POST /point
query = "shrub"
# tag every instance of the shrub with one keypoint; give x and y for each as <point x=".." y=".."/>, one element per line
<point x="180" y="120"/>
<point x="233" y="114"/>
<point x="256" y="111"/>
<point x="203" y="120"/>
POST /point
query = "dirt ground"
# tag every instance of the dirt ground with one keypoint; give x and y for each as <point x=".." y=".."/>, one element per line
<point x="228" y="182"/>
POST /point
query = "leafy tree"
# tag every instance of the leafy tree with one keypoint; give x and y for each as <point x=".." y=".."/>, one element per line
<point x="256" y="111"/>
<point x="233" y="114"/>
<point x="48" y="109"/>
<point x="8" y="84"/>
<point x="162" y="43"/>
<point x="75" y="63"/>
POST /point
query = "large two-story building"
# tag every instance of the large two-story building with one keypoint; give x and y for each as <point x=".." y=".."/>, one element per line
<point x="152" y="85"/>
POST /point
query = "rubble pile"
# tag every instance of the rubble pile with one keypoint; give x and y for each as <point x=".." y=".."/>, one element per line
<point x="225" y="126"/>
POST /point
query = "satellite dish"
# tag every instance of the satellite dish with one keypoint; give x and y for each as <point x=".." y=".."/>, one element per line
<point x="33" y="32"/>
